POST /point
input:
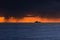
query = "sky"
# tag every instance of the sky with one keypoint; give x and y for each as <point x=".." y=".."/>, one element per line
<point x="20" y="8"/>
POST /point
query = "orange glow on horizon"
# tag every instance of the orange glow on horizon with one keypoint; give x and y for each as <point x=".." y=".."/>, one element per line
<point x="2" y="19"/>
<point x="27" y="20"/>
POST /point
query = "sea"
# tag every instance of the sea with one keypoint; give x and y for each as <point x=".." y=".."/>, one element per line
<point x="29" y="31"/>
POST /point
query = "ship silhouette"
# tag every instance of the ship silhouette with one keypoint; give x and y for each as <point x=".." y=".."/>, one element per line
<point x="37" y="22"/>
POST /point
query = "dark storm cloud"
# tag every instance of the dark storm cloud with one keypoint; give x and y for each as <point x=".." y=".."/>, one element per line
<point x="49" y="9"/>
<point x="43" y="8"/>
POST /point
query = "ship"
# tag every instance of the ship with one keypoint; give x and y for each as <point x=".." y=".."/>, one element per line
<point x="37" y="22"/>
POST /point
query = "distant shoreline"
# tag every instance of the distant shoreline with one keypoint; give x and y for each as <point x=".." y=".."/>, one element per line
<point x="32" y="23"/>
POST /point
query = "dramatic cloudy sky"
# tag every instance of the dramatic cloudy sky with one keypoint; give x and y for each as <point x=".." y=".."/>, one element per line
<point x="43" y="8"/>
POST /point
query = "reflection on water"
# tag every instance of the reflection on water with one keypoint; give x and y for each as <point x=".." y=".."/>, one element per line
<point x="31" y="31"/>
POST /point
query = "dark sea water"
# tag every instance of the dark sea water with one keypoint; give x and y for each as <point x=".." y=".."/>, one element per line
<point x="30" y="31"/>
